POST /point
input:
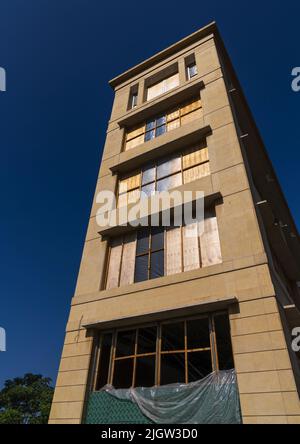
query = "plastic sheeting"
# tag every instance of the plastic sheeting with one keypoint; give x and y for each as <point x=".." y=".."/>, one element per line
<point x="212" y="400"/>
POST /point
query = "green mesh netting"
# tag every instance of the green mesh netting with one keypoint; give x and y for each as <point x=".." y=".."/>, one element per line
<point x="103" y="408"/>
<point x="212" y="400"/>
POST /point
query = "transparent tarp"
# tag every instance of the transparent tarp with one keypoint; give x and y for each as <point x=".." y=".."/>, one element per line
<point x="212" y="400"/>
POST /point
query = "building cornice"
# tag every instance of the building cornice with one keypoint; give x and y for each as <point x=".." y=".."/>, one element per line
<point x="158" y="57"/>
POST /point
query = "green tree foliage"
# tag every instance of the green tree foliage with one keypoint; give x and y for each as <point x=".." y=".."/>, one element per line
<point x="26" y="400"/>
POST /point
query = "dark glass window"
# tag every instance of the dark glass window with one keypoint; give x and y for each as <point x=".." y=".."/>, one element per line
<point x="145" y="371"/>
<point x="172" y="336"/>
<point x="142" y="241"/>
<point x="149" y="262"/>
<point x="123" y="373"/>
<point x="156" y="264"/>
<point x="172" y="368"/>
<point x="169" y="352"/>
<point x="141" y="271"/>
<point x="198" y="333"/>
<point x="147" y="340"/>
<point x="199" y="365"/>
<point x="125" y="343"/>
<point x="104" y="361"/>
<point x="224" y="348"/>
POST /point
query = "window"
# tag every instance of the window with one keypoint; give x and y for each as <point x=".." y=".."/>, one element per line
<point x="133" y="95"/>
<point x="185" y="167"/>
<point x="183" y="350"/>
<point x="133" y="100"/>
<point x="163" y="123"/>
<point x="191" y="71"/>
<point x="162" y="86"/>
<point x="149" y="261"/>
<point x="153" y="252"/>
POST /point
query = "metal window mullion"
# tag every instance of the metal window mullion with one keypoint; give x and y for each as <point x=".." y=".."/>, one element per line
<point x="214" y="358"/>
<point x="158" y="358"/>
<point x="121" y="262"/>
<point x="112" y="358"/>
<point x="182" y="250"/>
<point x="107" y="266"/>
<point x="185" y="354"/>
<point x="199" y="243"/>
<point x="149" y="252"/>
<point x="96" y="363"/>
<point x="134" y="358"/>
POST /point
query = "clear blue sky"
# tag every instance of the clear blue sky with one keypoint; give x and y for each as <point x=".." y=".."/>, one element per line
<point x="59" y="56"/>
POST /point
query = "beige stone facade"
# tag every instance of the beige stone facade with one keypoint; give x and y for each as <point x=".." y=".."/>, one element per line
<point x="256" y="280"/>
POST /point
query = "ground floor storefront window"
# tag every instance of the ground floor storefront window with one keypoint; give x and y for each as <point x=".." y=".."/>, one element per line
<point x="175" y="351"/>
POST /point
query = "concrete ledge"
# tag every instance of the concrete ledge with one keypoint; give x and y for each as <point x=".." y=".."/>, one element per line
<point x="161" y="146"/>
<point x="209" y="304"/>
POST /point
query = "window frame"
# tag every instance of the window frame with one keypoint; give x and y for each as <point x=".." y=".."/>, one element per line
<point x="209" y="214"/>
<point x="158" y="353"/>
<point x="155" y="164"/>
<point x="150" y="251"/>
<point x="181" y="114"/>
<point x="188" y="69"/>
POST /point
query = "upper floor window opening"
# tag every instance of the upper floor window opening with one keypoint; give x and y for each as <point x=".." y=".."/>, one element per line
<point x="162" y="86"/>
<point x="133" y="97"/>
<point x="153" y="252"/>
<point x="164" y="174"/>
<point x="165" y="122"/>
<point x="180" y="350"/>
<point x="191" y="71"/>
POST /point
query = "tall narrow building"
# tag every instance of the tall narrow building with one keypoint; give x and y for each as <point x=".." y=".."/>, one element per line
<point x="154" y="306"/>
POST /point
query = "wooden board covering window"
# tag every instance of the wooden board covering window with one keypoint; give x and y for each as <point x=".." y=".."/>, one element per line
<point x="163" y="86"/>
<point x="135" y="142"/>
<point x="128" y="259"/>
<point x="210" y="242"/>
<point x="194" y="156"/>
<point x="128" y="198"/>
<point x="173" y="263"/>
<point x="196" y="172"/>
<point x="137" y="131"/>
<point x="112" y="280"/>
<point x="191" y="106"/>
<point x="191" y="260"/>
<point x="187" y="118"/>
<point x="129" y="183"/>
<point x="173" y="125"/>
<point x="172" y="115"/>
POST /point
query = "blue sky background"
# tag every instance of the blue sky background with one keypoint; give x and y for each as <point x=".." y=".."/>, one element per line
<point x="59" y="56"/>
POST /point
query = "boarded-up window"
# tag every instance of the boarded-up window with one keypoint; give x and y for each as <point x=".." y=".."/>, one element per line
<point x="168" y="121"/>
<point x="135" y="137"/>
<point x="174" y="251"/>
<point x="115" y="257"/>
<point x="191" y="259"/>
<point x="191" y="106"/>
<point x="187" y="118"/>
<point x="129" y="183"/>
<point x="165" y="174"/>
<point x="128" y="259"/>
<point x="196" y="172"/>
<point x="210" y="242"/>
<point x="195" y="163"/>
<point x="194" y="156"/>
<point x="163" y="86"/>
